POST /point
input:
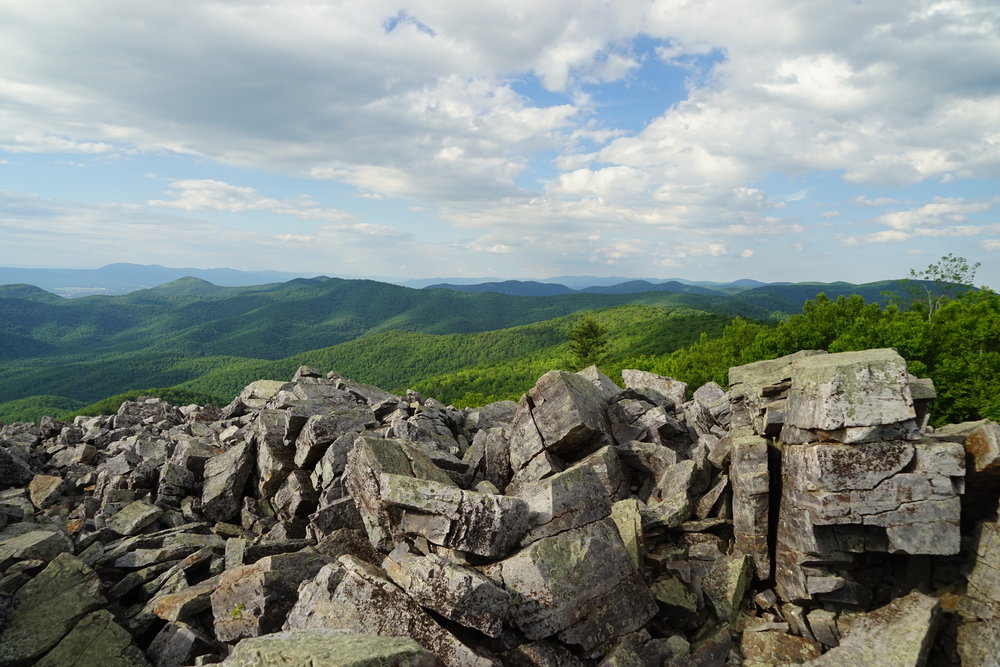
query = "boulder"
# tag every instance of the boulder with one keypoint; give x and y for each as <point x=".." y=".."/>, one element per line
<point x="329" y="647"/>
<point x="226" y="476"/>
<point x="568" y="411"/>
<point x="458" y="593"/>
<point x="896" y="635"/>
<point x="95" y="640"/>
<point x="255" y="599"/>
<point x="580" y="584"/>
<point x="50" y="606"/>
<point x="134" y="517"/>
<point x="751" y="500"/>
<point x="668" y="389"/>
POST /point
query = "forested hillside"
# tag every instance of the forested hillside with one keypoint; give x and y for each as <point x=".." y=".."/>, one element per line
<point x="191" y="341"/>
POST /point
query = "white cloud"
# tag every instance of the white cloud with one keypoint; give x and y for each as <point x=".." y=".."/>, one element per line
<point x="991" y="244"/>
<point x="212" y="195"/>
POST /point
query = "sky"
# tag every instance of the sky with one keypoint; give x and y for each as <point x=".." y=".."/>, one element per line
<point x="704" y="139"/>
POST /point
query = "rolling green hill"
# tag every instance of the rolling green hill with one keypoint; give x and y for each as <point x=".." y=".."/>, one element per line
<point x="200" y="337"/>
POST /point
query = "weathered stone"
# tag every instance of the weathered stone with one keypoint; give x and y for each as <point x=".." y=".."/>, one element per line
<point x="567" y="410"/>
<point x="178" y="644"/>
<point x="524" y="441"/>
<point x="257" y="394"/>
<point x="255" y="599"/>
<point x="17" y="544"/>
<point x="672" y="593"/>
<point x="296" y="498"/>
<point x="362" y="599"/>
<point x="725" y="584"/>
<point x="44" y="490"/>
<point x="13" y="471"/>
<point x="581" y="584"/>
<point x="366" y="462"/>
<point x="605" y="385"/>
<point x="329" y="647"/>
<point x="899" y="634"/>
<point x="899" y="497"/>
<point x="674" y="488"/>
<point x="95" y="640"/>
<point x="751" y="499"/>
<point x="320" y="431"/>
<point x="225" y="477"/>
<point x="669" y="389"/>
<point x="849" y="389"/>
<point x="134" y="517"/>
<point x="451" y="517"/>
<point x="982" y="599"/>
<point x="50" y="606"/>
<point x="771" y="649"/>
<point x="458" y="593"/>
<point x="568" y="499"/>
<point x="186" y="602"/>
<point x="628" y="519"/>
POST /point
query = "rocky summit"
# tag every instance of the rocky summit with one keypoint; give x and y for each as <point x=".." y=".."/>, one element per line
<point x="804" y="515"/>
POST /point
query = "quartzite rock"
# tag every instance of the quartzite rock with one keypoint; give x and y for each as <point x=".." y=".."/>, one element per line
<point x="51" y="604"/>
<point x="329" y="647"/>
<point x="484" y="524"/>
<point x="45" y="490"/>
<point x="751" y="489"/>
<point x="897" y="635"/>
<point x="568" y="411"/>
<point x="134" y="517"/>
<point x="13" y="471"/>
<point x="670" y="389"/>
<point x="255" y="599"/>
<point x="458" y="593"/>
<point x="568" y="499"/>
<point x="96" y="640"/>
<point x="362" y="599"/>
<point x="581" y="584"/>
<point x="855" y="396"/>
<point x="225" y="477"/>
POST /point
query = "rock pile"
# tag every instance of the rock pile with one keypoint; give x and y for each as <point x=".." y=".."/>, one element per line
<point x="806" y="515"/>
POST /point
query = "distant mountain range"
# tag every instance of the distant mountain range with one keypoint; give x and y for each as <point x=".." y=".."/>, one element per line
<point x="122" y="278"/>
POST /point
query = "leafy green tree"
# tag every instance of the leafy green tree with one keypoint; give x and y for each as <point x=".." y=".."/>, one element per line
<point x="945" y="280"/>
<point x="588" y="338"/>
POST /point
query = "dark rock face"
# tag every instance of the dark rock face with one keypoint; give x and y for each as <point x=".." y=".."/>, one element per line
<point x="806" y="515"/>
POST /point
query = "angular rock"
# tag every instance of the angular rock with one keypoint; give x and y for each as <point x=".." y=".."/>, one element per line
<point x="899" y="634"/>
<point x="178" y="644"/>
<point x="367" y="461"/>
<point x="751" y="498"/>
<point x="628" y="519"/>
<point x="725" y="584"/>
<point x="44" y="490"/>
<point x="329" y="647"/>
<point x="187" y="602"/>
<point x="568" y="499"/>
<point x="567" y="410"/>
<point x="13" y="471"/>
<point x="50" y="606"/>
<point x="483" y="524"/>
<point x="833" y="393"/>
<point x="255" y="599"/>
<point x="225" y="477"/>
<point x="95" y="640"/>
<point x="37" y="544"/>
<point x="899" y="497"/>
<point x="458" y="593"/>
<point x="770" y="649"/>
<point x="670" y="389"/>
<point x="362" y="599"/>
<point x="134" y="517"/>
<point x="581" y="584"/>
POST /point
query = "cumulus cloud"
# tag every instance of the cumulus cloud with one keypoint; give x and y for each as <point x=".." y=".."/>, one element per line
<point x="430" y="103"/>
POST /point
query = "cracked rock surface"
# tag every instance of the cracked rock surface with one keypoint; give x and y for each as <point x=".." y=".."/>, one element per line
<point x="803" y="515"/>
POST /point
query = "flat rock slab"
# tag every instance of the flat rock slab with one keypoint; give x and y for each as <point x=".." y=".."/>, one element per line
<point x="673" y="390"/>
<point x="581" y="584"/>
<point x="96" y="640"/>
<point x="849" y="389"/>
<point x="329" y="647"/>
<point x="13" y="471"/>
<point x="44" y="490"/>
<point x="51" y="604"/>
<point x="134" y="517"/>
<point x="751" y="500"/>
<point x="32" y="545"/>
<point x="899" y="634"/>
